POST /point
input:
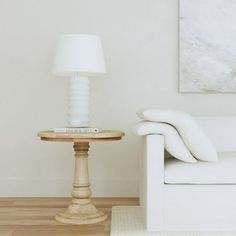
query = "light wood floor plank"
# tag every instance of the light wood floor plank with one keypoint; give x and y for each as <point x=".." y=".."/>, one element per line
<point x="35" y="217"/>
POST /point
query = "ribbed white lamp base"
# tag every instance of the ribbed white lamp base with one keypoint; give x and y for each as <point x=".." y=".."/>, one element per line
<point x="78" y="99"/>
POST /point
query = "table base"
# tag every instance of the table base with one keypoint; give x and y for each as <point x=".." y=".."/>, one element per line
<point x="81" y="214"/>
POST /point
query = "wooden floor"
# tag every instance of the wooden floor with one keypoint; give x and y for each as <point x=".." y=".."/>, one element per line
<point x="35" y="217"/>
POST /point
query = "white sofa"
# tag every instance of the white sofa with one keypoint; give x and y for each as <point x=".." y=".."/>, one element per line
<point x="179" y="196"/>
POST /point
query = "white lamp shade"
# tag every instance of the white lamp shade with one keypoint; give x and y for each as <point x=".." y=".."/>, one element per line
<point x="79" y="53"/>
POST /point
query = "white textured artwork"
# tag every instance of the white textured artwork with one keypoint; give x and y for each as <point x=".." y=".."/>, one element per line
<point x="207" y="46"/>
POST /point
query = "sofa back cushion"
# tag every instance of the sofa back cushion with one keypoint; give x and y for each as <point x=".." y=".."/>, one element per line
<point x="221" y="130"/>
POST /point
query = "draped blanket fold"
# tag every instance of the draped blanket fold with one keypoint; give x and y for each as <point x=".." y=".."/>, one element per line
<point x="184" y="138"/>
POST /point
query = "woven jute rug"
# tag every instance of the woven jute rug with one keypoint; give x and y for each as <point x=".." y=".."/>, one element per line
<point x="127" y="221"/>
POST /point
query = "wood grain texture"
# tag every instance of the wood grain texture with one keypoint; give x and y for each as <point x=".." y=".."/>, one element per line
<point x="35" y="217"/>
<point x="81" y="209"/>
<point x="105" y="135"/>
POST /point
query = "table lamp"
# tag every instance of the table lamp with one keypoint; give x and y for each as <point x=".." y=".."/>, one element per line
<point x="79" y="56"/>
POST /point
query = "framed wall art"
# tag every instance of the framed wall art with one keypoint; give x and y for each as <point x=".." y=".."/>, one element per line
<point x="207" y="46"/>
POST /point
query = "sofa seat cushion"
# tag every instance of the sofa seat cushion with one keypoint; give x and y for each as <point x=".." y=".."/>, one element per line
<point x="221" y="172"/>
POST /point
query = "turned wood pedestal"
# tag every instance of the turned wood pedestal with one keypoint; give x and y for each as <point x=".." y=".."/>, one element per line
<point x="81" y="209"/>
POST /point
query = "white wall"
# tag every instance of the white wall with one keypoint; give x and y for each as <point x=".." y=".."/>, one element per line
<point x="140" y="43"/>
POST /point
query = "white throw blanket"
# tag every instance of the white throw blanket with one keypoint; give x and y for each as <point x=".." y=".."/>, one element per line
<point x="184" y="138"/>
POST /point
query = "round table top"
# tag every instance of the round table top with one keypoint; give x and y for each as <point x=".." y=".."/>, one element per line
<point x="104" y="135"/>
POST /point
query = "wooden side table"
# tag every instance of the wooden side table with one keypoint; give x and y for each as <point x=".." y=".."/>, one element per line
<point x="81" y="210"/>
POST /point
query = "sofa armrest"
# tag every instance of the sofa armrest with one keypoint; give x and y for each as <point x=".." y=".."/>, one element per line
<point x="152" y="174"/>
